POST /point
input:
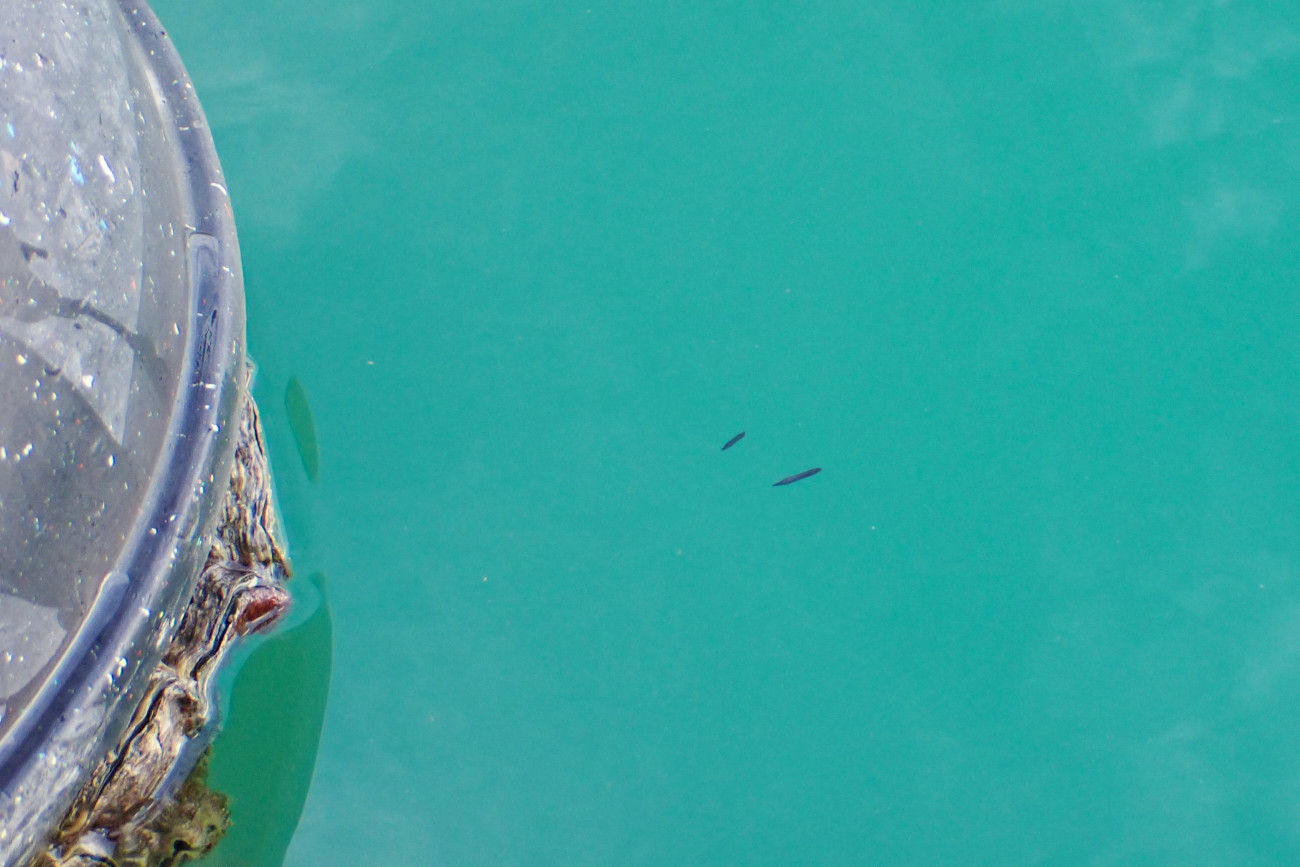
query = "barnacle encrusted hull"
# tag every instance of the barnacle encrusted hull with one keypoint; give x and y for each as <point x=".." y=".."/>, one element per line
<point x="146" y="803"/>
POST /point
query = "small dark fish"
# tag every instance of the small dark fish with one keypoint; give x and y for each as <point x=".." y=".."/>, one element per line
<point x="731" y="442"/>
<point x="790" y="480"/>
<point x="303" y="427"/>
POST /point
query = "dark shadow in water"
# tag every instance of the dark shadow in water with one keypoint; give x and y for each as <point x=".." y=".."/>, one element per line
<point x="266" y="753"/>
<point x="303" y="427"/>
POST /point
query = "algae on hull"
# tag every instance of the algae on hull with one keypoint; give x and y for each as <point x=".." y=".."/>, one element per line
<point x="147" y="803"/>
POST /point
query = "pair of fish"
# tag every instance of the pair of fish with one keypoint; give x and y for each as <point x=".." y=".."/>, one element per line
<point x="788" y="480"/>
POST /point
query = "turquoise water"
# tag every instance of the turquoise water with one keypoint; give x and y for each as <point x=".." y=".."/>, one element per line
<point x="1020" y="277"/>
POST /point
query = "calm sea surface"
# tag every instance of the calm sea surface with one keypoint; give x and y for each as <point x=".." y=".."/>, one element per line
<point x="1023" y="278"/>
